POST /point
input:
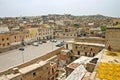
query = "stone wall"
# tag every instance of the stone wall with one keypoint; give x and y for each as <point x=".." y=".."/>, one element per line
<point x="113" y="39"/>
<point x="90" y="40"/>
<point x="86" y="50"/>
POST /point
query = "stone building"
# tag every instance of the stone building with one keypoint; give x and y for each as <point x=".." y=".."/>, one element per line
<point x="45" y="32"/>
<point x="66" y="32"/>
<point x="113" y="38"/>
<point x="40" y="70"/>
<point x="53" y="71"/>
<point x="4" y="40"/>
<point x="70" y="67"/>
<point x="85" y="46"/>
<point x="13" y="38"/>
<point x="64" y="58"/>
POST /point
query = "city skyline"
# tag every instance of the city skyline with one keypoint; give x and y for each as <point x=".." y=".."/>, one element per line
<point x="17" y="8"/>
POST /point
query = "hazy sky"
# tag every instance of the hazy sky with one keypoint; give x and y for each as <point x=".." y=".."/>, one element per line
<point x="74" y="7"/>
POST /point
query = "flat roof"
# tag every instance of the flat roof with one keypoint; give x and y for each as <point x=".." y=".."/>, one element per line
<point x="65" y="51"/>
<point x="70" y="41"/>
<point x="90" y="38"/>
<point x="77" y="74"/>
<point x="91" y="44"/>
<point x="9" y="76"/>
<point x="108" y="66"/>
<point x="29" y="68"/>
<point x="110" y="56"/>
<point x="3" y="77"/>
<point x="78" y="62"/>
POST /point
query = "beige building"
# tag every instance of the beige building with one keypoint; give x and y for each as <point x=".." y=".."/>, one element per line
<point x="113" y="39"/>
<point x="27" y="34"/>
<point x="70" y="67"/>
<point x="4" y="40"/>
<point x="39" y="32"/>
<point x="45" y="32"/>
<point x="41" y="70"/>
<point x="53" y="71"/>
<point x="37" y="71"/>
<point x="64" y="57"/>
<point x="66" y="32"/>
<point x="85" y="46"/>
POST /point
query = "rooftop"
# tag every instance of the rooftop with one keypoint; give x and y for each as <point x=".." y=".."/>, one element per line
<point x="65" y="51"/>
<point x="4" y="29"/>
<point x="77" y="74"/>
<point x="69" y="41"/>
<point x="90" y="38"/>
<point x="111" y="56"/>
<point x="29" y="68"/>
<point x="78" y="62"/>
<point x="109" y="66"/>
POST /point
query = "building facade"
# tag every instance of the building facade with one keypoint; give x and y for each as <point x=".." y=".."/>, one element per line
<point x="113" y="40"/>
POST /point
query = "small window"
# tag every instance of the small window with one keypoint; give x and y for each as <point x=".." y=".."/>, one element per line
<point x="8" y="44"/>
<point x="2" y="39"/>
<point x="76" y="47"/>
<point x="85" y="53"/>
<point x="52" y="70"/>
<point x="3" y="45"/>
<point x="7" y="38"/>
<point x="91" y="49"/>
<point x="84" y="48"/>
<point x="15" y="37"/>
<point x="34" y="74"/>
<point x="78" y="52"/>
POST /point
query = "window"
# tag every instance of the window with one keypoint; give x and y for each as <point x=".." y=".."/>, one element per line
<point x="7" y="38"/>
<point x="8" y="44"/>
<point x="91" y="49"/>
<point x="84" y="48"/>
<point x="15" y="37"/>
<point x="85" y="53"/>
<point x="78" y="52"/>
<point x="34" y="74"/>
<point x="76" y="47"/>
<point x="3" y="45"/>
<point x="2" y="39"/>
<point x="93" y="54"/>
<point x="52" y="70"/>
<point x="71" y="57"/>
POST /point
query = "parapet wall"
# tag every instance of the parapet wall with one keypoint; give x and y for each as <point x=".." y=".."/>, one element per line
<point x="90" y="40"/>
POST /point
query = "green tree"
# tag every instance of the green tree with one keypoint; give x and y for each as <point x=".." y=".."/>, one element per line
<point x="103" y="28"/>
<point x="76" y="25"/>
